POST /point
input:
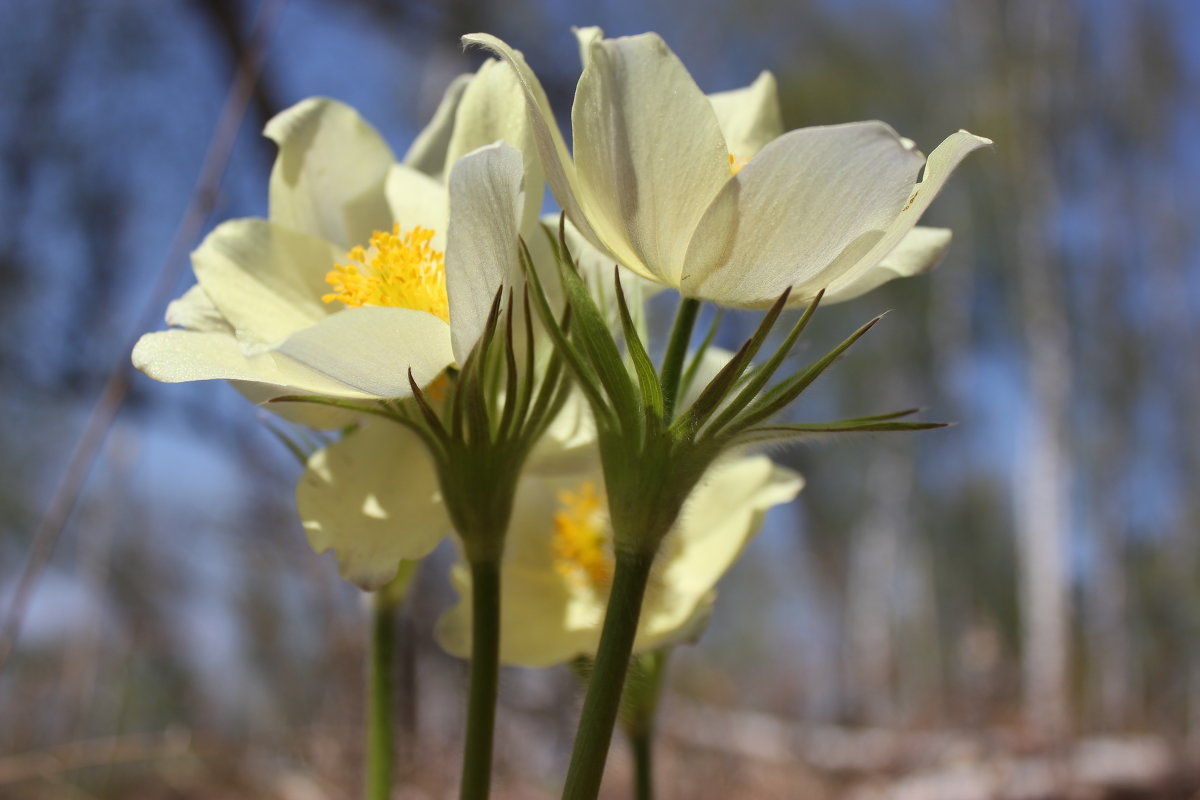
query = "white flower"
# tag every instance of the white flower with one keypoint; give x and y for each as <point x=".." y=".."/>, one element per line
<point x="702" y="194"/>
<point x="361" y="272"/>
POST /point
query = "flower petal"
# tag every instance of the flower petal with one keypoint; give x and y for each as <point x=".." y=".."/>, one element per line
<point x="373" y="499"/>
<point x="920" y="250"/>
<point x="809" y="206"/>
<point x="648" y="151"/>
<point x="328" y="177"/>
<point x="481" y="251"/>
<point x="942" y="162"/>
<point x="195" y="311"/>
<point x="415" y="198"/>
<point x="493" y="110"/>
<point x="427" y="153"/>
<point x="717" y="522"/>
<point x="750" y="118"/>
<point x="266" y="279"/>
<point x="178" y="356"/>
<point x="372" y="349"/>
<point x="556" y="161"/>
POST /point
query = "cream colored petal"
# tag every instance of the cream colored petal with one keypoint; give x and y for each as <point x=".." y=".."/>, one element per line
<point x="648" y="151"/>
<point x="596" y="267"/>
<point x="372" y="349"/>
<point x="808" y="207"/>
<point x="415" y="199"/>
<point x="195" y="311"/>
<point x="539" y="623"/>
<point x="373" y="499"/>
<point x="569" y="445"/>
<point x="556" y="161"/>
<point x="427" y="153"/>
<point x="942" y="162"/>
<point x="266" y="279"/>
<point x="493" y="110"/>
<point x="750" y="117"/>
<point x="486" y="203"/>
<point x="312" y="415"/>
<point x="920" y="250"/>
<point x="725" y="511"/>
<point x="178" y="356"/>
<point x="328" y="177"/>
<point x="585" y="36"/>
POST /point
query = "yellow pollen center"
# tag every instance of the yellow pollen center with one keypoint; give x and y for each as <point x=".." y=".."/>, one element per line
<point x="398" y="270"/>
<point x="581" y="539"/>
<point x="736" y="164"/>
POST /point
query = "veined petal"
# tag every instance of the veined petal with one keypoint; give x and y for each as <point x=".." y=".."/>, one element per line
<point x="648" y="151"/>
<point x="750" y="118"/>
<point x="371" y="349"/>
<point x="415" y="198"/>
<point x="482" y="249"/>
<point x="328" y="177"/>
<point x="194" y="310"/>
<point x="556" y="161"/>
<point x="808" y="207"/>
<point x="373" y="499"/>
<point x="178" y="356"/>
<point x="493" y="110"/>
<point x="724" y="512"/>
<point x="266" y="279"/>
<point x="920" y="250"/>
<point x="427" y="153"/>
<point x="942" y="162"/>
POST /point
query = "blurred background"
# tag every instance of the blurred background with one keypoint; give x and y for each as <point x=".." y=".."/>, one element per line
<point x="1006" y="608"/>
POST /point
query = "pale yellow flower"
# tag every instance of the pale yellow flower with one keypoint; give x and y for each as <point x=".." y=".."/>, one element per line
<point x="361" y="272"/>
<point x="703" y="194"/>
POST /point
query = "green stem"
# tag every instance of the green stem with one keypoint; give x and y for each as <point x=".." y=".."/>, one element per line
<point x="603" y="699"/>
<point x="380" y="695"/>
<point x="643" y="690"/>
<point x="484" y="681"/>
<point x="643" y="764"/>
<point x="677" y="345"/>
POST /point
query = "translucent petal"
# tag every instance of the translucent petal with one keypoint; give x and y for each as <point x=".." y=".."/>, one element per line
<point x="328" y="177"/>
<point x="427" y="153"/>
<point x="648" y="151"/>
<point x="373" y="499"/>
<point x="810" y="205"/>
<point x="482" y="247"/>
<point x="195" y="311"/>
<point x="750" y="117"/>
<point x="920" y="250"/>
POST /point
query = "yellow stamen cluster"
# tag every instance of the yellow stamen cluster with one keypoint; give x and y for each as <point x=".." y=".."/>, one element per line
<point x="581" y="539"/>
<point x="399" y="270"/>
<point x="736" y="164"/>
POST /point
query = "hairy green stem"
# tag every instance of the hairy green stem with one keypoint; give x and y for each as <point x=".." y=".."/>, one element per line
<point x="603" y="699"/>
<point x="484" y="681"/>
<point x="639" y="716"/>
<point x="381" y="695"/>
<point x="677" y="346"/>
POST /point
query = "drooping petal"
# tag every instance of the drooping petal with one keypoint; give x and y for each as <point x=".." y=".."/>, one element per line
<point x="942" y="162"/>
<point x="486" y="203"/>
<point x="415" y="199"/>
<point x="556" y="161"/>
<point x="648" y="151"/>
<point x="194" y="311"/>
<point x="178" y="356"/>
<point x="328" y="177"/>
<point x="372" y="349"/>
<point x="427" y="153"/>
<point x="920" y="250"/>
<point x="725" y="511"/>
<point x="266" y="279"/>
<point x="373" y="499"/>
<point x="809" y="206"/>
<point x="750" y="118"/>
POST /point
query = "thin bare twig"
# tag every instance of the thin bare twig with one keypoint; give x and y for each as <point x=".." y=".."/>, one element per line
<point x="204" y="196"/>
